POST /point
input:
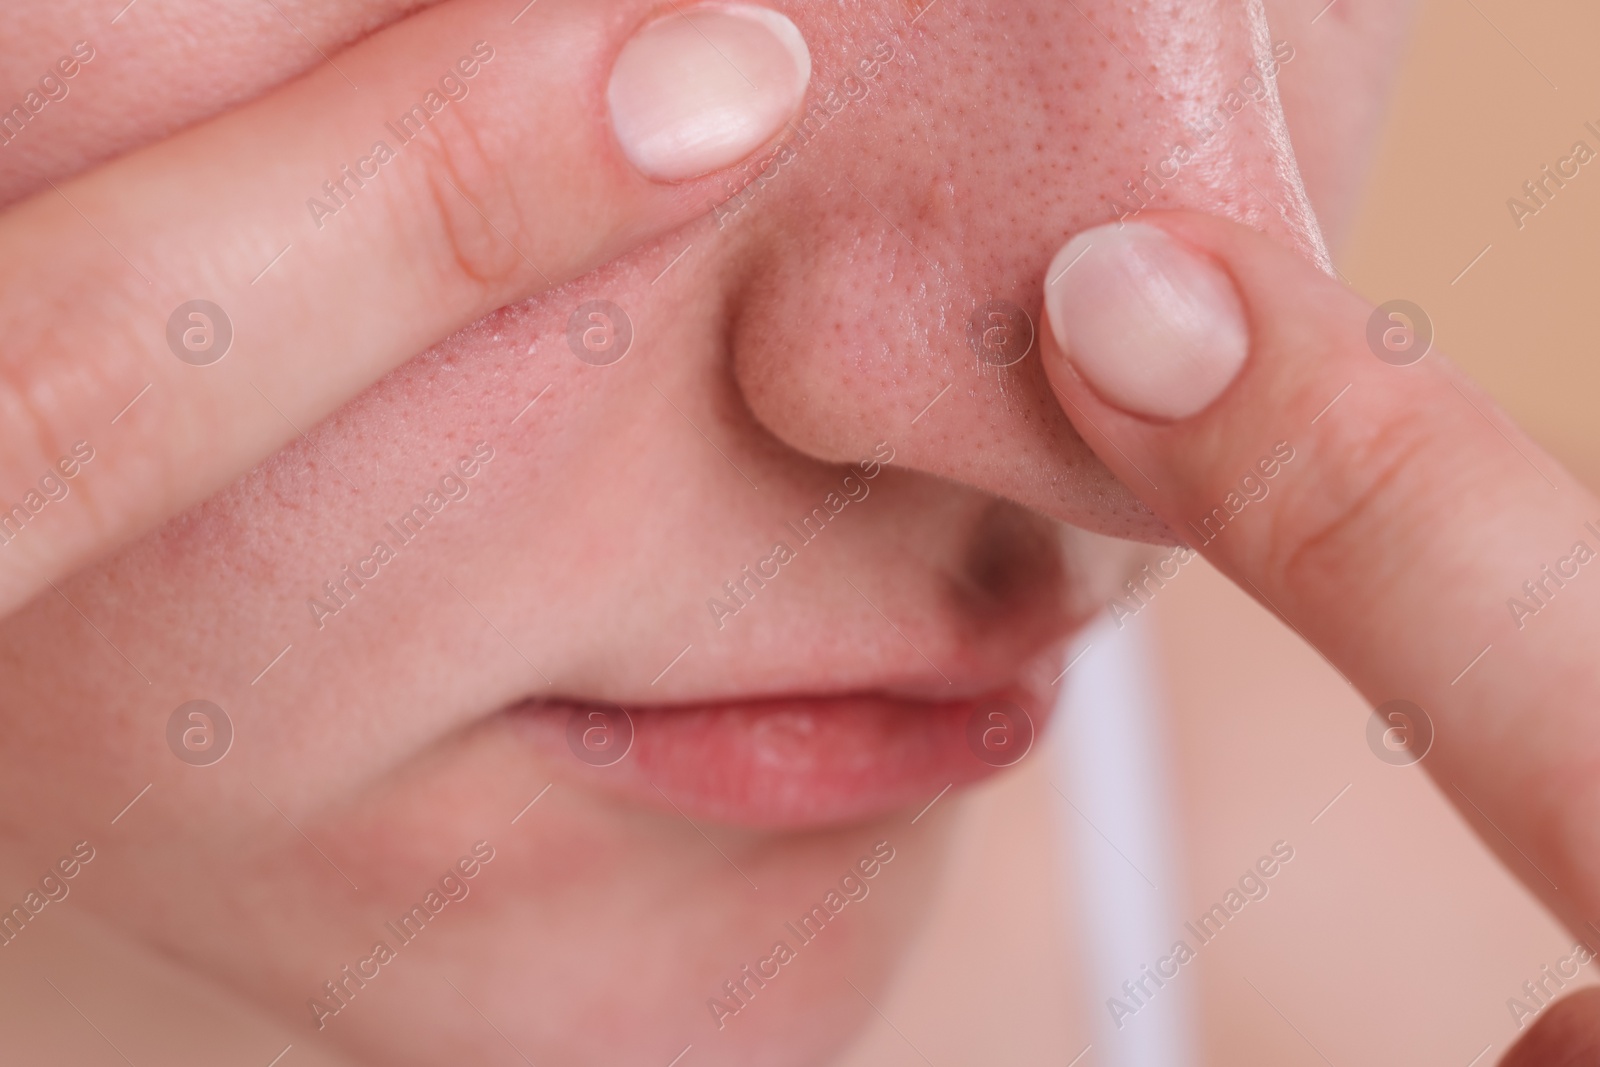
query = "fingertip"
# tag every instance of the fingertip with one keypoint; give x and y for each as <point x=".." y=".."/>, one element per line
<point x="1565" y="1034"/>
<point x="1155" y="327"/>
<point x="698" y="90"/>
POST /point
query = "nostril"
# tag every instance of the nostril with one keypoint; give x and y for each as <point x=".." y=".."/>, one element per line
<point x="1013" y="557"/>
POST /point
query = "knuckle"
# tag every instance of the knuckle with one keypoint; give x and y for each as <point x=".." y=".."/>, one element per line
<point x="29" y="409"/>
<point x="479" y="230"/>
<point x="1372" y="497"/>
<point x="50" y="408"/>
<point x="60" y="365"/>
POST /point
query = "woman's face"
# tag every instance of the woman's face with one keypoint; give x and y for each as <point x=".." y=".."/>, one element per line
<point x="806" y="530"/>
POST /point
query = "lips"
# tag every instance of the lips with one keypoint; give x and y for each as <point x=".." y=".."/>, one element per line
<point x="789" y="763"/>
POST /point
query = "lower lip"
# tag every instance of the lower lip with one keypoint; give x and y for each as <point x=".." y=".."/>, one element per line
<point x="787" y="764"/>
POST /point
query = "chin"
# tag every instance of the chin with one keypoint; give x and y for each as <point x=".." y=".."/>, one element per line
<point x="614" y="924"/>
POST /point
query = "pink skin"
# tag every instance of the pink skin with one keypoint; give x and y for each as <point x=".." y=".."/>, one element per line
<point x="821" y="319"/>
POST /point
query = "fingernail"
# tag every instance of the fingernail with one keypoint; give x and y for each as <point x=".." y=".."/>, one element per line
<point x="703" y="88"/>
<point x="1155" y="328"/>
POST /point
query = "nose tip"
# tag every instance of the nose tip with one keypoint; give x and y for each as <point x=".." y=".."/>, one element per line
<point x="898" y="289"/>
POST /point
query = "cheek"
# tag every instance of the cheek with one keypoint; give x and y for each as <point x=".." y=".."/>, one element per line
<point x="911" y="213"/>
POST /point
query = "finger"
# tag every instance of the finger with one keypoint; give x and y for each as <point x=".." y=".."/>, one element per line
<point x="1564" y="1034"/>
<point x="457" y="161"/>
<point x="1387" y="512"/>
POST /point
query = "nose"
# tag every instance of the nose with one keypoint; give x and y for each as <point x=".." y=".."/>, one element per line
<point x="899" y="301"/>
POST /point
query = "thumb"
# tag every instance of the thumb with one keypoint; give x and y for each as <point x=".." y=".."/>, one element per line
<point x="1316" y="452"/>
<point x="1566" y="1035"/>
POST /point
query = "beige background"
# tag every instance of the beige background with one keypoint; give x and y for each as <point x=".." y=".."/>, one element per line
<point x="1396" y="938"/>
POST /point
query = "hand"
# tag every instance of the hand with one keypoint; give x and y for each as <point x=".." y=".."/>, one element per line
<point x="1368" y="494"/>
<point x="176" y="315"/>
<point x="1567" y="1034"/>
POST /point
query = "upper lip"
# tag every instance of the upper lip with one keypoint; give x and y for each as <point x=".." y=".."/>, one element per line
<point x="940" y="662"/>
<point x="931" y="686"/>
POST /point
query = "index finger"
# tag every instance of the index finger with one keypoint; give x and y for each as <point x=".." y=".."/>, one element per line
<point x="1373" y="498"/>
<point x="171" y="318"/>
